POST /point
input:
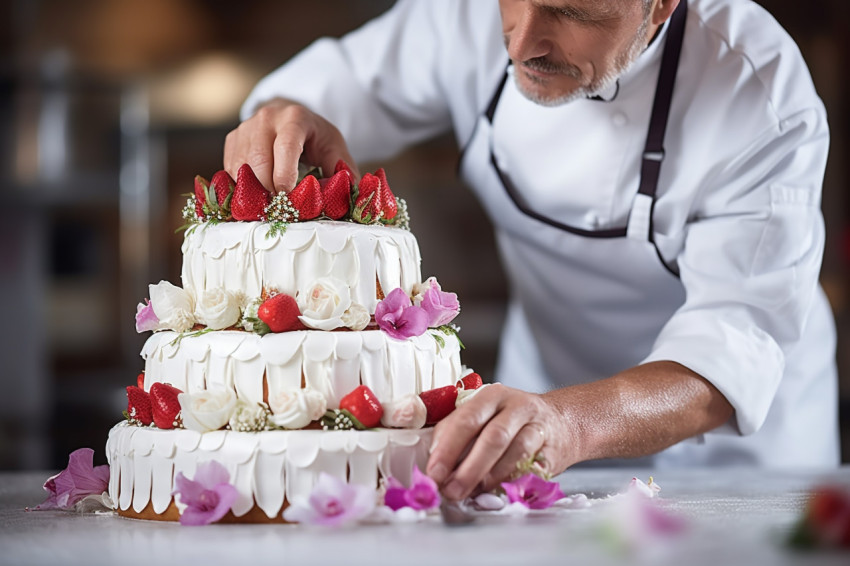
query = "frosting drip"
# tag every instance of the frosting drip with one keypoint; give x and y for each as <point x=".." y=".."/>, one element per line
<point x="237" y="256"/>
<point x="332" y="363"/>
<point x="267" y="468"/>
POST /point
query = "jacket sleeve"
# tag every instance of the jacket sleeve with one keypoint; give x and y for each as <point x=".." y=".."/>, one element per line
<point x="379" y="85"/>
<point x="750" y="265"/>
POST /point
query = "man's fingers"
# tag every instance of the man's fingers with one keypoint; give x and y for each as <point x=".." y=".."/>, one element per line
<point x="454" y="433"/>
<point x="287" y="152"/>
<point x="494" y="440"/>
<point x="527" y="443"/>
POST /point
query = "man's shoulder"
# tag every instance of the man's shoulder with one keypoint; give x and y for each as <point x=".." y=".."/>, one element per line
<point x="740" y="41"/>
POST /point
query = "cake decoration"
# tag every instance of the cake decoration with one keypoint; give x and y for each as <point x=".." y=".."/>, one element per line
<point x="422" y="495"/>
<point x="332" y="503"/>
<point x="532" y="491"/>
<point x="75" y="483"/>
<point x="207" y="497"/>
<point x="338" y="197"/>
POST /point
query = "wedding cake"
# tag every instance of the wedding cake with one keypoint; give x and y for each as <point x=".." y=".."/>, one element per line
<point x="303" y="341"/>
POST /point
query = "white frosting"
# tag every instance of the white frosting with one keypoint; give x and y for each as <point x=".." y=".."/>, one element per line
<point x="332" y="363"/>
<point x="238" y="256"/>
<point x="265" y="467"/>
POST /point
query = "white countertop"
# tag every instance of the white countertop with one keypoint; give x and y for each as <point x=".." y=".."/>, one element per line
<point x="733" y="517"/>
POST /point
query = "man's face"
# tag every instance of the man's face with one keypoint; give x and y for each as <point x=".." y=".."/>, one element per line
<point x="565" y="49"/>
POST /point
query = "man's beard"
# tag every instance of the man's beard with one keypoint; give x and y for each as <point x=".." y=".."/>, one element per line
<point x="623" y="61"/>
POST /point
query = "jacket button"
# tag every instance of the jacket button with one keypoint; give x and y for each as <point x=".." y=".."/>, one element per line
<point x="619" y="119"/>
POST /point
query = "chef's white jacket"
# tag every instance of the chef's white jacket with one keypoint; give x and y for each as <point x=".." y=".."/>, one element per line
<point x="737" y="218"/>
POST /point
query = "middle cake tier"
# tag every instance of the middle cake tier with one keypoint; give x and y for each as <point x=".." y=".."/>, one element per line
<point x="332" y="363"/>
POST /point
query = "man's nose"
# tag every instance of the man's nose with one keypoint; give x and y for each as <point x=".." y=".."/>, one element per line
<point x="530" y="36"/>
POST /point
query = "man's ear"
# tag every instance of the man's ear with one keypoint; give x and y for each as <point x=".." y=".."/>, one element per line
<point x="662" y="10"/>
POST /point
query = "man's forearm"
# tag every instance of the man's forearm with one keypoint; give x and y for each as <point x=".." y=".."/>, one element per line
<point x="639" y="411"/>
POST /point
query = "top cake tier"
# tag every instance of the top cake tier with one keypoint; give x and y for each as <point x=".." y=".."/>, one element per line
<point x="239" y="256"/>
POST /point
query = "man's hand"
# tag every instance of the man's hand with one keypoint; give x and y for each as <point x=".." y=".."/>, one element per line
<point x="637" y="412"/>
<point x="277" y="137"/>
<point x="499" y="427"/>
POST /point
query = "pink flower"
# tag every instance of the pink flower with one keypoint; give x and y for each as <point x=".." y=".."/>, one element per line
<point x="208" y="497"/>
<point x="80" y="479"/>
<point x="533" y="491"/>
<point x="399" y="318"/>
<point x="441" y="307"/>
<point x="332" y="503"/>
<point x="146" y="319"/>
<point x="422" y="494"/>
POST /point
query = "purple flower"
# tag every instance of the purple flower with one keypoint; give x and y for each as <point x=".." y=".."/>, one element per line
<point x="332" y="503"/>
<point x="208" y="497"/>
<point x="422" y="494"/>
<point x="399" y="318"/>
<point x="533" y="491"/>
<point x="441" y="307"/>
<point x="146" y="319"/>
<point x="80" y="479"/>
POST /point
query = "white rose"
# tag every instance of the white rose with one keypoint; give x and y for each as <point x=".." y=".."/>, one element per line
<point x="173" y="307"/>
<point x="356" y="317"/>
<point x="218" y="309"/>
<point x="407" y="412"/>
<point x="323" y="304"/>
<point x="297" y="409"/>
<point x="464" y="395"/>
<point x="207" y="410"/>
<point x="419" y="289"/>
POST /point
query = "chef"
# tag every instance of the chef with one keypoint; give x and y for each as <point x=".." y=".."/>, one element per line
<point x="653" y="169"/>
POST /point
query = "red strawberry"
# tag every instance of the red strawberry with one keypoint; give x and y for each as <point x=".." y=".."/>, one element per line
<point x="368" y="203"/>
<point x="139" y="405"/>
<point x="470" y="381"/>
<point x="166" y="407"/>
<point x="828" y="515"/>
<point x="201" y="185"/>
<point x="249" y="196"/>
<point x="343" y="166"/>
<point x="223" y="185"/>
<point x="439" y="403"/>
<point x="388" y="202"/>
<point x="364" y="406"/>
<point x="336" y="195"/>
<point x="281" y="313"/>
<point x="306" y="197"/>
<point x="140" y="380"/>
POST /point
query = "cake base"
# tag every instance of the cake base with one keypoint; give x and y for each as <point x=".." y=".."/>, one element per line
<point x="269" y="469"/>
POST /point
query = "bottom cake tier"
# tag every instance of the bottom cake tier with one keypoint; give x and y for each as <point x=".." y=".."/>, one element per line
<point x="269" y="469"/>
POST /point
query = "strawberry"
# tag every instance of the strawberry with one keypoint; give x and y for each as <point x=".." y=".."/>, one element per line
<point x="166" y="407"/>
<point x="306" y="197"/>
<point x="280" y="313"/>
<point x="249" y="196"/>
<point x="336" y="195"/>
<point x="828" y="515"/>
<point x="368" y="205"/>
<point x="201" y="185"/>
<point x="140" y="380"/>
<point x="388" y="202"/>
<point x="343" y="166"/>
<point x="439" y="403"/>
<point x="363" y="406"/>
<point x="222" y="184"/>
<point x="139" y="405"/>
<point x="470" y="381"/>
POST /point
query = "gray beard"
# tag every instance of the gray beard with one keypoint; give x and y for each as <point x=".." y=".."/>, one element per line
<point x="621" y="65"/>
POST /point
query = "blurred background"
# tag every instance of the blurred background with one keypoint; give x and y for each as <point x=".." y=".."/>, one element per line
<point x="109" y="108"/>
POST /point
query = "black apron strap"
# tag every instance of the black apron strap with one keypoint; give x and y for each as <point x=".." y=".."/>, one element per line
<point x="653" y="151"/>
